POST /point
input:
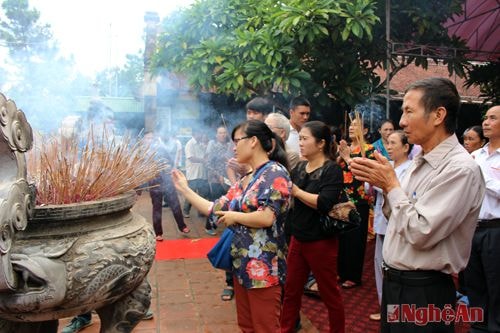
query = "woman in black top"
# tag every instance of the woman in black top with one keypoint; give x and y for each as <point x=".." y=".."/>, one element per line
<point x="318" y="183"/>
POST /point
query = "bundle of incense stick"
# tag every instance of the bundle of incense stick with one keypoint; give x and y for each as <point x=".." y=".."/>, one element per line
<point x="65" y="170"/>
<point x="359" y="132"/>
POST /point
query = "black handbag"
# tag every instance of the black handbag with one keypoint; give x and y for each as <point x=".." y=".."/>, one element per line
<point x="342" y="218"/>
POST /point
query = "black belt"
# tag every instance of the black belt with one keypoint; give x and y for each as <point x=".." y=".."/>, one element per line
<point x="493" y="223"/>
<point x="416" y="278"/>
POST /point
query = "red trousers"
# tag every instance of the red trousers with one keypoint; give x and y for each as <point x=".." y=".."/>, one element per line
<point x="258" y="309"/>
<point x="320" y="257"/>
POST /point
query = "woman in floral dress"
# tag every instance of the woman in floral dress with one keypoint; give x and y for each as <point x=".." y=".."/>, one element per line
<point x="352" y="245"/>
<point x="255" y="208"/>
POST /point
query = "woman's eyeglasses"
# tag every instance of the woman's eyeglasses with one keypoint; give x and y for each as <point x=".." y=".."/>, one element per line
<point x="236" y="140"/>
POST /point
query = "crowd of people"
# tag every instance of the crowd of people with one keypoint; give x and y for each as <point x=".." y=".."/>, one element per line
<point x="435" y="207"/>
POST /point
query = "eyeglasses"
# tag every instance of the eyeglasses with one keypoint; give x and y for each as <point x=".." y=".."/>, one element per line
<point x="236" y="140"/>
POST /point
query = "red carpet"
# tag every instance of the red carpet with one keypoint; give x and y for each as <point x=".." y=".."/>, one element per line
<point x="184" y="248"/>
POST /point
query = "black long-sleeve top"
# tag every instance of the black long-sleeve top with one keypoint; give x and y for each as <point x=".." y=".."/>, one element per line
<point x="327" y="181"/>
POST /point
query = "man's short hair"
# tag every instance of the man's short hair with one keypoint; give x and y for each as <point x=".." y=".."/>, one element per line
<point x="281" y="122"/>
<point x="299" y="101"/>
<point x="260" y="104"/>
<point x="439" y="92"/>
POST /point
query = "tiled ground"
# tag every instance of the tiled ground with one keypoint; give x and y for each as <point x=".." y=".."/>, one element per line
<point x="186" y="292"/>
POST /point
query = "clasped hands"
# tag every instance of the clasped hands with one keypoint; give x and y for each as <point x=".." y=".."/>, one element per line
<point x="378" y="172"/>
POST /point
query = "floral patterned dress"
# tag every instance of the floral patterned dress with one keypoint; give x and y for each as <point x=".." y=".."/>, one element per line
<point x="259" y="254"/>
<point x="354" y="188"/>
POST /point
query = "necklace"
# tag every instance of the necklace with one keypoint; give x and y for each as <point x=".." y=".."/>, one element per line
<point x="310" y="168"/>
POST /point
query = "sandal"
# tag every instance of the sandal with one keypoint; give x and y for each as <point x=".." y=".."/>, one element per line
<point x="348" y="284"/>
<point x="185" y="230"/>
<point x="159" y="238"/>
<point x="227" y="294"/>
<point x="311" y="288"/>
<point x="311" y="285"/>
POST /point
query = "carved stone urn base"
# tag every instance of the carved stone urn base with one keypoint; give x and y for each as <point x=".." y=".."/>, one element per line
<point x="75" y="258"/>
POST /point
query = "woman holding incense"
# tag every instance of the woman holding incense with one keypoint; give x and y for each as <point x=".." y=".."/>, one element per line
<point x="255" y="208"/>
<point x="317" y="187"/>
<point x="352" y="245"/>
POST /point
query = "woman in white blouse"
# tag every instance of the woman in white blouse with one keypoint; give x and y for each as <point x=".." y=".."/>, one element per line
<point x="398" y="149"/>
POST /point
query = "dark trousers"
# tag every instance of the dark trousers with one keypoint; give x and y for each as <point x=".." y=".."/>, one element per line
<point x="352" y="247"/>
<point x="229" y="279"/>
<point x="418" y="289"/>
<point x="200" y="186"/>
<point x="320" y="257"/>
<point x="216" y="191"/>
<point x="482" y="278"/>
<point x="173" y="202"/>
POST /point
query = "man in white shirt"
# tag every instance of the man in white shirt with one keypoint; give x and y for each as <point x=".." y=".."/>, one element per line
<point x="482" y="275"/>
<point x="196" y="173"/>
<point x="300" y="111"/>
<point x="432" y="212"/>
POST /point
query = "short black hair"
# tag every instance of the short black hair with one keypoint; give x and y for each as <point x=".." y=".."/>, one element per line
<point x="439" y="92"/>
<point x="299" y="101"/>
<point x="385" y="121"/>
<point x="260" y="104"/>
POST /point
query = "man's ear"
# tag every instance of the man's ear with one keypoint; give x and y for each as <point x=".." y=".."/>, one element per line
<point x="440" y="115"/>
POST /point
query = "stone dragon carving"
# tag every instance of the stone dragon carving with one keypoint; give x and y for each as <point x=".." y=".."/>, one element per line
<point x="61" y="261"/>
<point x="16" y="200"/>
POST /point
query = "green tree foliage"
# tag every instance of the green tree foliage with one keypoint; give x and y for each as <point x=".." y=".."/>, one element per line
<point x="487" y="78"/>
<point x="123" y="81"/>
<point x="328" y="49"/>
<point x="22" y="32"/>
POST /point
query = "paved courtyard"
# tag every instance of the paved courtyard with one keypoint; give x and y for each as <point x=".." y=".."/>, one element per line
<point x="186" y="292"/>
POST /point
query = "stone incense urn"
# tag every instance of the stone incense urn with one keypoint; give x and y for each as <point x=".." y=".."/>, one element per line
<point x="63" y="260"/>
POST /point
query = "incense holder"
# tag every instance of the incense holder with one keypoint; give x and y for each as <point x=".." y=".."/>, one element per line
<point x="63" y="260"/>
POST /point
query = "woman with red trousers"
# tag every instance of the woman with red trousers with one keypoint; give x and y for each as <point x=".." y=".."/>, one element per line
<point x="318" y="183"/>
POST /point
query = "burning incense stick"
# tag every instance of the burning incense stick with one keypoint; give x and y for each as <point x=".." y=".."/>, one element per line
<point x="64" y="171"/>
<point x="346" y="131"/>
<point x="224" y="123"/>
<point x="360" y="133"/>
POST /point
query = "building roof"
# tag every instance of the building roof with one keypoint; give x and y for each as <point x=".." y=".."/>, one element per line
<point x="479" y="26"/>
<point x="413" y="73"/>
